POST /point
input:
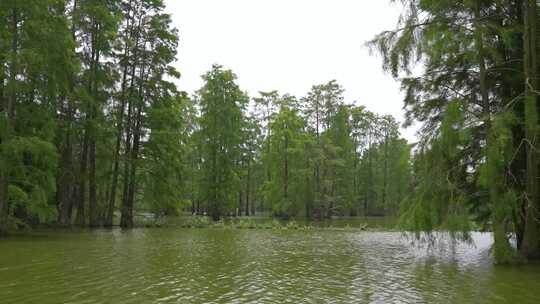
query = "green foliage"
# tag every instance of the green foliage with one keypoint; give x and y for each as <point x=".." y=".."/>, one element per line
<point x="91" y="123"/>
<point x="222" y="104"/>
<point x="197" y="222"/>
<point x="31" y="168"/>
<point x="286" y="163"/>
<point x="504" y="202"/>
<point x="163" y="153"/>
<point x="439" y="199"/>
<point x="477" y="103"/>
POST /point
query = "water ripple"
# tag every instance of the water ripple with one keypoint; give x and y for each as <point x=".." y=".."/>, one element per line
<point x="252" y="266"/>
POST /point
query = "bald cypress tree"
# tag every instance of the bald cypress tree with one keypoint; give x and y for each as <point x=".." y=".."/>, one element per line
<point x="222" y="104"/>
<point x="480" y="67"/>
<point x="531" y="242"/>
<point x="32" y="85"/>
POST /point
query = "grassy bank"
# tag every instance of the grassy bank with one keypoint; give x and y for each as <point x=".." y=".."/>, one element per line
<point x="194" y="222"/>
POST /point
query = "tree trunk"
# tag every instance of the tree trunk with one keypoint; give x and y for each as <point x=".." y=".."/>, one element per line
<point x="10" y="113"/>
<point x="286" y="169"/>
<point x="127" y="214"/>
<point x="318" y="164"/>
<point x="3" y="167"/>
<point x="120" y="128"/>
<point x="385" y="172"/>
<point x="248" y="186"/>
<point x="214" y="211"/>
<point x="368" y="198"/>
<point x="66" y="179"/>
<point x="92" y="193"/>
<point x="125" y="189"/>
<point x="495" y="192"/>
<point x="4" y="211"/>
<point x="240" y="196"/>
<point x="127" y="154"/>
<point x="80" y="218"/>
<point x="116" y="161"/>
<point x="530" y="244"/>
<point x="93" y="206"/>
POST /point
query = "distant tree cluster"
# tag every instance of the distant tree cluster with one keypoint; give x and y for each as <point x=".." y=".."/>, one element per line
<point x="314" y="157"/>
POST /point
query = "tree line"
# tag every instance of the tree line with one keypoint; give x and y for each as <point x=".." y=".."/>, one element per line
<point x="314" y="156"/>
<point x="86" y="97"/>
<point x="93" y="125"/>
<point x="476" y="97"/>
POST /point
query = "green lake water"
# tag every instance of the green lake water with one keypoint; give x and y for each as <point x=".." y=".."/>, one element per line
<point x="166" y="265"/>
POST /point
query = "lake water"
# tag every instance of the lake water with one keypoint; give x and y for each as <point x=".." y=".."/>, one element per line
<point x="166" y="265"/>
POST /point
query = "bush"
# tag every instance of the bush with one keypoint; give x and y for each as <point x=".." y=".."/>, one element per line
<point x="292" y="225"/>
<point x="197" y="222"/>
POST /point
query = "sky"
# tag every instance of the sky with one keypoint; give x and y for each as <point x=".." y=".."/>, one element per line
<point x="289" y="46"/>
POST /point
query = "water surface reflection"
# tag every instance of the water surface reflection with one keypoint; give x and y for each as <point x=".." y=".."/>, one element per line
<point x="253" y="266"/>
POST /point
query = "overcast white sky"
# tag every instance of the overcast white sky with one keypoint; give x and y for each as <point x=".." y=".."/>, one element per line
<point x="289" y="45"/>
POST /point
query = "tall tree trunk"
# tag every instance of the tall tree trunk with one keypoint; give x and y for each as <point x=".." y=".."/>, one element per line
<point x="213" y="207"/>
<point x="385" y="172"/>
<point x="353" y="210"/>
<point x="10" y="114"/>
<point x="66" y="178"/>
<point x="127" y="217"/>
<point x="499" y="232"/>
<point x="116" y="158"/>
<point x="124" y="212"/>
<point x="248" y="185"/>
<point x="286" y="170"/>
<point x="67" y="175"/>
<point x="80" y="218"/>
<point x="369" y="192"/>
<point x="127" y="154"/>
<point x="268" y="147"/>
<point x="92" y="187"/>
<point x="127" y="163"/>
<point x="108" y="222"/>
<point x="92" y="195"/>
<point x="3" y="166"/>
<point x="530" y="244"/>
<point x="3" y="175"/>
<point x="126" y="220"/>
<point x="3" y="202"/>
<point x="240" y="197"/>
